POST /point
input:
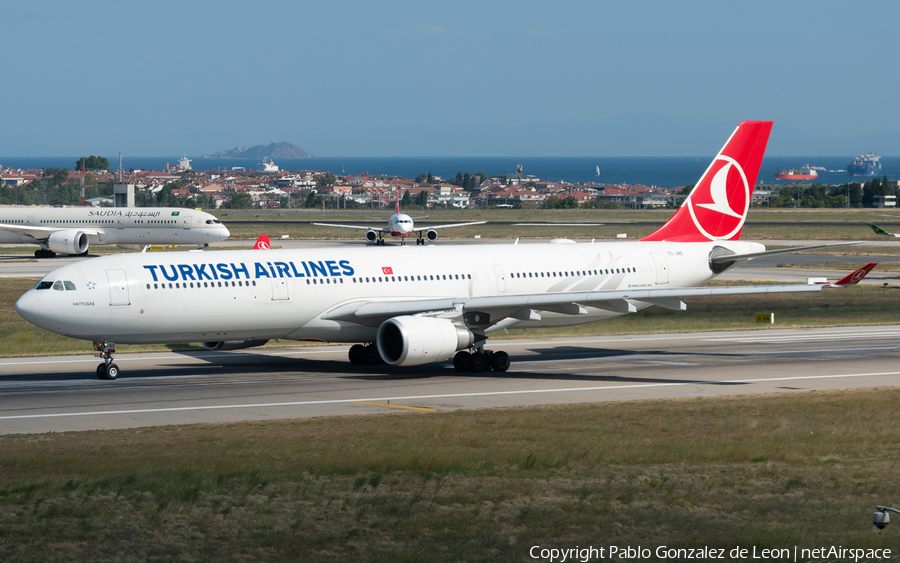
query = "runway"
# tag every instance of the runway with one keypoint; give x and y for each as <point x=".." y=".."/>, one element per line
<point x="57" y="394"/>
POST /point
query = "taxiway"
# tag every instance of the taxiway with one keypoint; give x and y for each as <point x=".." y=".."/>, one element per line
<point x="57" y="394"/>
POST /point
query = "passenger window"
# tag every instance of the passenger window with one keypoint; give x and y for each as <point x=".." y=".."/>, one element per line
<point x="69" y="286"/>
<point x="58" y="286"/>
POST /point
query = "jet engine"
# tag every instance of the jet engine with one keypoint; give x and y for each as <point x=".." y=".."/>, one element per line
<point x="68" y="242"/>
<point x="431" y="235"/>
<point x="371" y="236"/>
<point x="412" y="341"/>
<point x="233" y="344"/>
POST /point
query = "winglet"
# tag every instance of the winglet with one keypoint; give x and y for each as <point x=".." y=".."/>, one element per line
<point x="855" y="277"/>
<point x="262" y="243"/>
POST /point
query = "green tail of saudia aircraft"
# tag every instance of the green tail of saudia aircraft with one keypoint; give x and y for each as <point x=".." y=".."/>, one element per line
<point x="880" y="231"/>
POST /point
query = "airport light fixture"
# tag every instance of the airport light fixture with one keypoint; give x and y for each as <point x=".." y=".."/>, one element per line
<point x="881" y="518"/>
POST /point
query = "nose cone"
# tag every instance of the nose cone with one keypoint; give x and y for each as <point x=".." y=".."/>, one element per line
<point x="225" y="233"/>
<point x="29" y="306"/>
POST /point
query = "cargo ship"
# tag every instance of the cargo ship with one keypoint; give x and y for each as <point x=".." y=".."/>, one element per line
<point x="805" y="173"/>
<point x="865" y="165"/>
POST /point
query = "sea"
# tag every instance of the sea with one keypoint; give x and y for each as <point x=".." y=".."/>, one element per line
<point x="665" y="172"/>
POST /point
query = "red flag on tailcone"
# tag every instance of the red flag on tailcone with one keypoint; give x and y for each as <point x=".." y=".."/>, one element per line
<point x="717" y="206"/>
<point x="262" y="243"/>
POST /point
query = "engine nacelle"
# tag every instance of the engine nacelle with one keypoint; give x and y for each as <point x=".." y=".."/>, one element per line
<point x="371" y="236"/>
<point x="68" y="242"/>
<point x="233" y="344"/>
<point x="412" y="341"/>
<point x="431" y="235"/>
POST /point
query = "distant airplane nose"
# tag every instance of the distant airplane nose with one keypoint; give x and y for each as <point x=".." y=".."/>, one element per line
<point x="29" y="306"/>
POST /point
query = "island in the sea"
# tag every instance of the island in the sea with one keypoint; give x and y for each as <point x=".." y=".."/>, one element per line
<point x="272" y="150"/>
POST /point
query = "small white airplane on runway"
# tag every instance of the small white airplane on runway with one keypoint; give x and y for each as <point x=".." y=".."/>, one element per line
<point x="414" y="306"/>
<point x="401" y="225"/>
<point x="70" y="230"/>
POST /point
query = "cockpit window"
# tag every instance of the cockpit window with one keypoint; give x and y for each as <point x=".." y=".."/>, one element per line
<point x="44" y="285"/>
<point x="69" y="285"/>
<point x="58" y="286"/>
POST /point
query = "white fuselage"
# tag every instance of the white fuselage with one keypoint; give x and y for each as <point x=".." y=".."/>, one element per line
<point x="115" y="225"/>
<point x="401" y="225"/>
<point x="235" y="295"/>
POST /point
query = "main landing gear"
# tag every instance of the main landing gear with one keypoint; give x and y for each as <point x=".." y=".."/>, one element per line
<point x="44" y="253"/>
<point x="107" y="370"/>
<point x="481" y="360"/>
<point x="368" y="355"/>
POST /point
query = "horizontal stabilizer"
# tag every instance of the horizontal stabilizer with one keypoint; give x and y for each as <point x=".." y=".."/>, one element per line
<point x="751" y="255"/>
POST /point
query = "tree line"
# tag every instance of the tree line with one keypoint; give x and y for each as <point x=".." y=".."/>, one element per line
<point x="821" y="195"/>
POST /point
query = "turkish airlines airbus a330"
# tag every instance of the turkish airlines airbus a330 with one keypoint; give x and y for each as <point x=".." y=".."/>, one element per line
<point x="408" y="305"/>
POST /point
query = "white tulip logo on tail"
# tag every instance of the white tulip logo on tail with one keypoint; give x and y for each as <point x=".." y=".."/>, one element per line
<point x="718" y="205"/>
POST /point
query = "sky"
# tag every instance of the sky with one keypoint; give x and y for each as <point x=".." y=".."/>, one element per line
<point x="461" y="78"/>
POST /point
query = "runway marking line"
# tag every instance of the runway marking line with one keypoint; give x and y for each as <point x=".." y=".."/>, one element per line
<point x="446" y="396"/>
<point x="392" y="406"/>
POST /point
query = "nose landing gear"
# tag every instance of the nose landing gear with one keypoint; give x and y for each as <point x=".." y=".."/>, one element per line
<point x="107" y="370"/>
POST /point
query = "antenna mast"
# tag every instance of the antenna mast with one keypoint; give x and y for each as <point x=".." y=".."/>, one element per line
<point x="120" y="166"/>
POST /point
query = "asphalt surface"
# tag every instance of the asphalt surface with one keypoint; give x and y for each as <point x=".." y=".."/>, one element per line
<point x="57" y="394"/>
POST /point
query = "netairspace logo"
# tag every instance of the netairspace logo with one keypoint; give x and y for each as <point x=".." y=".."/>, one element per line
<point x="660" y="553"/>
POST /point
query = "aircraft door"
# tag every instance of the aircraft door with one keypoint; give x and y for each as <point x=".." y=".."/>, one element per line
<point x="280" y="289"/>
<point x="118" y="287"/>
<point x="662" y="267"/>
<point x="30" y="221"/>
<point x="186" y="223"/>
<point x="501" y="278"/>
<point x="120" y="223"/>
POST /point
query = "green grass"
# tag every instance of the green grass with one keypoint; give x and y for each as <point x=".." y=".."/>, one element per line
<point x="855" y="220"/>
<point x="801" y="469"/>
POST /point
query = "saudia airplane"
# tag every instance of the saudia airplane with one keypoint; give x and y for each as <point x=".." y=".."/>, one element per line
<point x="71" y="230"/>
<point x="412" y="305"/>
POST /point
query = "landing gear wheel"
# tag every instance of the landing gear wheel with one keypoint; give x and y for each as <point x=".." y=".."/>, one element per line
<point x="357" y="354"/>
<point x="372" y="356"/>
<point x="461" y="361"/>
<point x="478" y="362"/>
<point x="41" y="253"/>
<point x="112" y="371"/>
<point x="101" y="371"/>
<point x="500" y="361"/>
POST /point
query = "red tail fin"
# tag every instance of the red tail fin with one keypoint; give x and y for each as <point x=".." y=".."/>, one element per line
<point x="398" y="201"/>
<point x="717" y="206"/>
<point x="262" y="243"/>
<point x="856" y="276"/>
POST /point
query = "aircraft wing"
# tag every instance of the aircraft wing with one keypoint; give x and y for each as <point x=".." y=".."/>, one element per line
<point x="445" y="226"/>
<point x="376" y="229"/>
<point x="501" y="311"/>
<point x="42" y="233"/>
